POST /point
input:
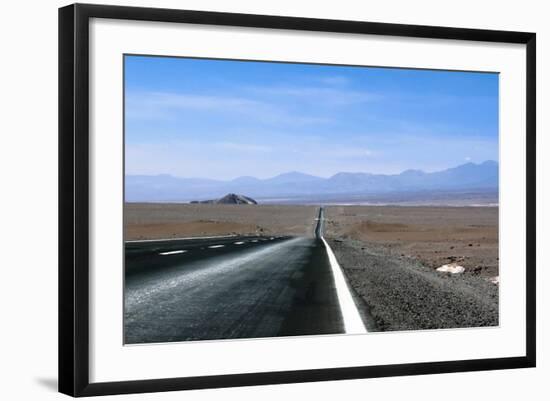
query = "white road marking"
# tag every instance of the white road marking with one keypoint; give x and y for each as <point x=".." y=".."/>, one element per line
<point x="179" y="239"/>
<point x="353" y="324"/>
<point x="239" y="243"/>
<point x="216" y="246"/>
<point x="172" y="252"/>
<point x="254" y="240"/>
<point x="144" y="294"/>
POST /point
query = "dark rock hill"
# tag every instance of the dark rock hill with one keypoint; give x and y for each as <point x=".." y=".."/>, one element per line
<point x="231" y="199"/>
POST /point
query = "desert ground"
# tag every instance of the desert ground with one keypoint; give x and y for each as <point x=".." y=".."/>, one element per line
<point x="390" y="256"/>
<point x="171" y="220"/>
<point x="467" y="236"/>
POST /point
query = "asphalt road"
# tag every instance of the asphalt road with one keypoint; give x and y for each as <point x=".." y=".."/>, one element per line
<point x="230" y="287"/>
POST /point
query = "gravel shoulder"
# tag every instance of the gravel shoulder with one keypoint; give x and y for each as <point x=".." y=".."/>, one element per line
<point x="400" y="293"/>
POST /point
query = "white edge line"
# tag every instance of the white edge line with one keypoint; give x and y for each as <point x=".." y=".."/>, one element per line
<point x="172" y="252"/>
<point x="178" y="239"/>
<point x="353" y="324"/>
<point x="216" y="246"/>
<point x="239" y="242"/>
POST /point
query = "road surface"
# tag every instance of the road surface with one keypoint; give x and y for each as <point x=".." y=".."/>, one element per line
<point x="234" y="287"/>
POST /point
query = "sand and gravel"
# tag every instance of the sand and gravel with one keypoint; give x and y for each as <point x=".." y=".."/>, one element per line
<point x="391" y="254"/>
<point x="402" y="294"/>
<point x="435" y="236"/>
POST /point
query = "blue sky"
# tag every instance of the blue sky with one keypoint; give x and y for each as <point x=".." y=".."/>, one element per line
<point x="225" y="119"/>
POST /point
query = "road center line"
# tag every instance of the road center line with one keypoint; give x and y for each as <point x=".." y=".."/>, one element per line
<point x="172" y="252"/>
<point x="145" y="292"/>
<point x="239" y="243"/>
<point x="216" y="246"/>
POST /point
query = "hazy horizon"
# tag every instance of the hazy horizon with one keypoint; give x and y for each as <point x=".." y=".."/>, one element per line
<point x="219" y="119"/>
<point x="305" y="173"/>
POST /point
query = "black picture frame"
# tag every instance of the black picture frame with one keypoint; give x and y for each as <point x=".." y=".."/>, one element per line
<point x="74" y="200"/>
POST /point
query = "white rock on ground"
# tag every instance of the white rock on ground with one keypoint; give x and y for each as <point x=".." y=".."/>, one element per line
<point x="451" y="268"/>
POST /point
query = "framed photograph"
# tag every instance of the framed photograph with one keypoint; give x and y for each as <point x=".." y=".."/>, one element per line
<point x="251" y="199"/>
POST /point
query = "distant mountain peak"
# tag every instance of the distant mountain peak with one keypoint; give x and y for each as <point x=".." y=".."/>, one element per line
<point x="293" y="176"/>
<point x="489" y="163"/>
<point x="350" y="174"/>
<point x="245" y="179"/>
<point x="412" y="172"/>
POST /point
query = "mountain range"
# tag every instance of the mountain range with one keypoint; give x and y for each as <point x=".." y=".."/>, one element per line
<point x="164" y="187"/>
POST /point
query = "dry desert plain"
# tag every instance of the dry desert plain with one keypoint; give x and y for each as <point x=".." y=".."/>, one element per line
<point x="174" y="220"/>
<point x="389" y="253"/>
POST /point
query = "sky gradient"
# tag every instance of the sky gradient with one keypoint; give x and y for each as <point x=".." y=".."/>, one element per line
<point x="224" y="119"/>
